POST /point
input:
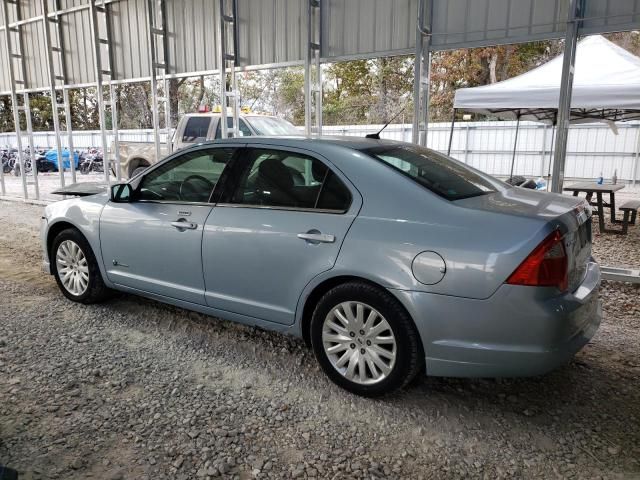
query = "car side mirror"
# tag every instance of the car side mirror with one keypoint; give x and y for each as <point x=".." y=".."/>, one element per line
<point x="121" y="193"/>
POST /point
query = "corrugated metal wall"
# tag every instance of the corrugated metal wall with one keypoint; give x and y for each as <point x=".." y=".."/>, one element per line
<point x="35" y="55"/>
<point x="130" y="37"/>
<point x="460" y="23"/>
<point x="611" y="16"/>
<point x="78" y="46"/>
<point x="274" y="31"/>
<point x="193" y="35"/>
<point x="367" y="27"/>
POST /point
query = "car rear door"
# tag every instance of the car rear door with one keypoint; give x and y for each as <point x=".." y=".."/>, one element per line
<point x="282" y="224"/>
<point x="153" y="244"/>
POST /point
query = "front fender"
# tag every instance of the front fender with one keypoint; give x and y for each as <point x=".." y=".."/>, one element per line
<point x="81" y="213"/>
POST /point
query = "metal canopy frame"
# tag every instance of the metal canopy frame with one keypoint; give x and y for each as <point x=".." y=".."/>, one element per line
<point x="18" y="56"/>
<point x="103" y="67"/>
<point x="120" y="34"/>
<point x="229" y="94"/>
<point x="576" y="9"/>
<point x="53" y="79"/>
<point x="422" y="72"/>
<point x="313" y="70"/>
<point x="157" y="27"/>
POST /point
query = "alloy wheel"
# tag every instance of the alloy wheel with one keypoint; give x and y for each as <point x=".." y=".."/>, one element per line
<point x="359" y="343"/>
<point x="73" y="268"/>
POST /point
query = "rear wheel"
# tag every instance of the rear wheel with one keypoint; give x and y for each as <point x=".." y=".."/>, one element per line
<point x="75" y="268"/>
<point x="364" y="340"/>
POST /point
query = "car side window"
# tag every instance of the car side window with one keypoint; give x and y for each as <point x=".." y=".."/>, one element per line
<point x="191" y="177"/>
<point x="196" y="129"/>
<point x="276" y="178"/>
<point x="244" y="128"/>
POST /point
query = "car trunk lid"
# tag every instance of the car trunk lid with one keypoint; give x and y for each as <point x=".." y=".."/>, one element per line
<point x="570" y="214"/>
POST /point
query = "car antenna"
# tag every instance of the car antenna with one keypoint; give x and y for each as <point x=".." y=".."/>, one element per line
<point x="376" y="135"/>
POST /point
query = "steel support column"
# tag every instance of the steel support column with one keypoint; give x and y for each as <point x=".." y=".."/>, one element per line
<point x="566" y="87"/>
<point x="637" y="157"/>
<point x="156" y="17"/>
<point x="313" y="70"/>
<point x="67" y="121"/>
<point x="99" y="72"/>
<point x="11" y="55"/>
<point x="422" y="72"/>
<point x="32" y="152"/>
<point x="453" y="124"/>
<point x="52" y="89"/>
<point x="229" y="94"/>
<point x="515" y="147"/>
<point x="544" y="150"/>
<point x="60" y="50"/>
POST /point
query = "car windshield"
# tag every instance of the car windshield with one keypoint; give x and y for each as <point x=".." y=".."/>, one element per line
<point x="439" y="173"/>
<point x="272" y="126"/>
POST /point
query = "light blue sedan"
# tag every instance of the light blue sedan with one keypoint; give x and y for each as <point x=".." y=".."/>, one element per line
<point x="389" y="259"/>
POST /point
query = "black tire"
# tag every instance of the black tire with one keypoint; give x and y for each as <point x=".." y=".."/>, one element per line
<point x="96" y="290"/>
<point x="409" y="352"/>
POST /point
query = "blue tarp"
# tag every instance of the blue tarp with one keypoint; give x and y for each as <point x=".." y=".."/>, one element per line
<point x="52" y="156"/>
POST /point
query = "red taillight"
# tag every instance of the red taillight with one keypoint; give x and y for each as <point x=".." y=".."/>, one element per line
<point x="546" y="266"/>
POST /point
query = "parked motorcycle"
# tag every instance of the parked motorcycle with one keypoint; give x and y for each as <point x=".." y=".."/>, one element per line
<point x="7" y="162"/>
<point x="91" y="161"/>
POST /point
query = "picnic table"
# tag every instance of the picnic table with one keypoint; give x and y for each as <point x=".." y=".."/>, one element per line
<point x="591" y="188"/>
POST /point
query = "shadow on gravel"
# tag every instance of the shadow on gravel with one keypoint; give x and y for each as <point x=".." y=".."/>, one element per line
<point x="594" y="393"/>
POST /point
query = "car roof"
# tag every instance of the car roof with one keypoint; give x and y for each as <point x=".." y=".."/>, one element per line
<point x="306" y="142"/>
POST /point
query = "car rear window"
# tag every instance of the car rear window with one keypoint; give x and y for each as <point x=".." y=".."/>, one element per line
<point x="441" y="174"/>
<point x="196" y="129"/>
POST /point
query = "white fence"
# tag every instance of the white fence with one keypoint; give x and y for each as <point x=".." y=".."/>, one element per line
<point x="488" y="146"/>
<point x="81" y="138"/>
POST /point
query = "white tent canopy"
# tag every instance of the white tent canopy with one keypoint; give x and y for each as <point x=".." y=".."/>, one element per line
<point x="606" y="85"/>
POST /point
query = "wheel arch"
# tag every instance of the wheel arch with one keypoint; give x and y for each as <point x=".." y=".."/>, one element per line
<point x="136" y="162"/>
<point x="317" y="291"/>
<point x="55" y="229"/>
<point x="61" y="225"/>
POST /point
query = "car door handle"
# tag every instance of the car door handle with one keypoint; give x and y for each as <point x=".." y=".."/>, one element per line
<point x="184" y="225"/>
<point x="317" y="237"/>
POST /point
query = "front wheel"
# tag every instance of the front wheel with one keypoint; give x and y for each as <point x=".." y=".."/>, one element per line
<point x="364" y="339"/>
<point x="75" y="268"/>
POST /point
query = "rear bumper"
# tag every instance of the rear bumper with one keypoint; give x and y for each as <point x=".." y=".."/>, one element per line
<point x="518" y="331"/>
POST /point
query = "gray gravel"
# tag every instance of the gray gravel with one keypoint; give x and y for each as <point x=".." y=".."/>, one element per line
<point x="135" y="389"/>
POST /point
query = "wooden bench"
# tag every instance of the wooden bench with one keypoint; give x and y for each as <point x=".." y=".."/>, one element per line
<point x="630" y="211"/>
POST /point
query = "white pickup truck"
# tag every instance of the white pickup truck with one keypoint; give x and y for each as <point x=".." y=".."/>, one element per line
<point x="195" y="128"/>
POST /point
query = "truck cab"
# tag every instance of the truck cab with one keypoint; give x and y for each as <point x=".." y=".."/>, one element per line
<point x="194" y="128"/>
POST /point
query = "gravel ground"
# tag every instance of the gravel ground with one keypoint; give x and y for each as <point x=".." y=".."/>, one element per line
<point x="135" y="389"/>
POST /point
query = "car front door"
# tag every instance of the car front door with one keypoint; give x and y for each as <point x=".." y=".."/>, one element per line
<point x="153" y="243"/>
<point x="281" y="225"/>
